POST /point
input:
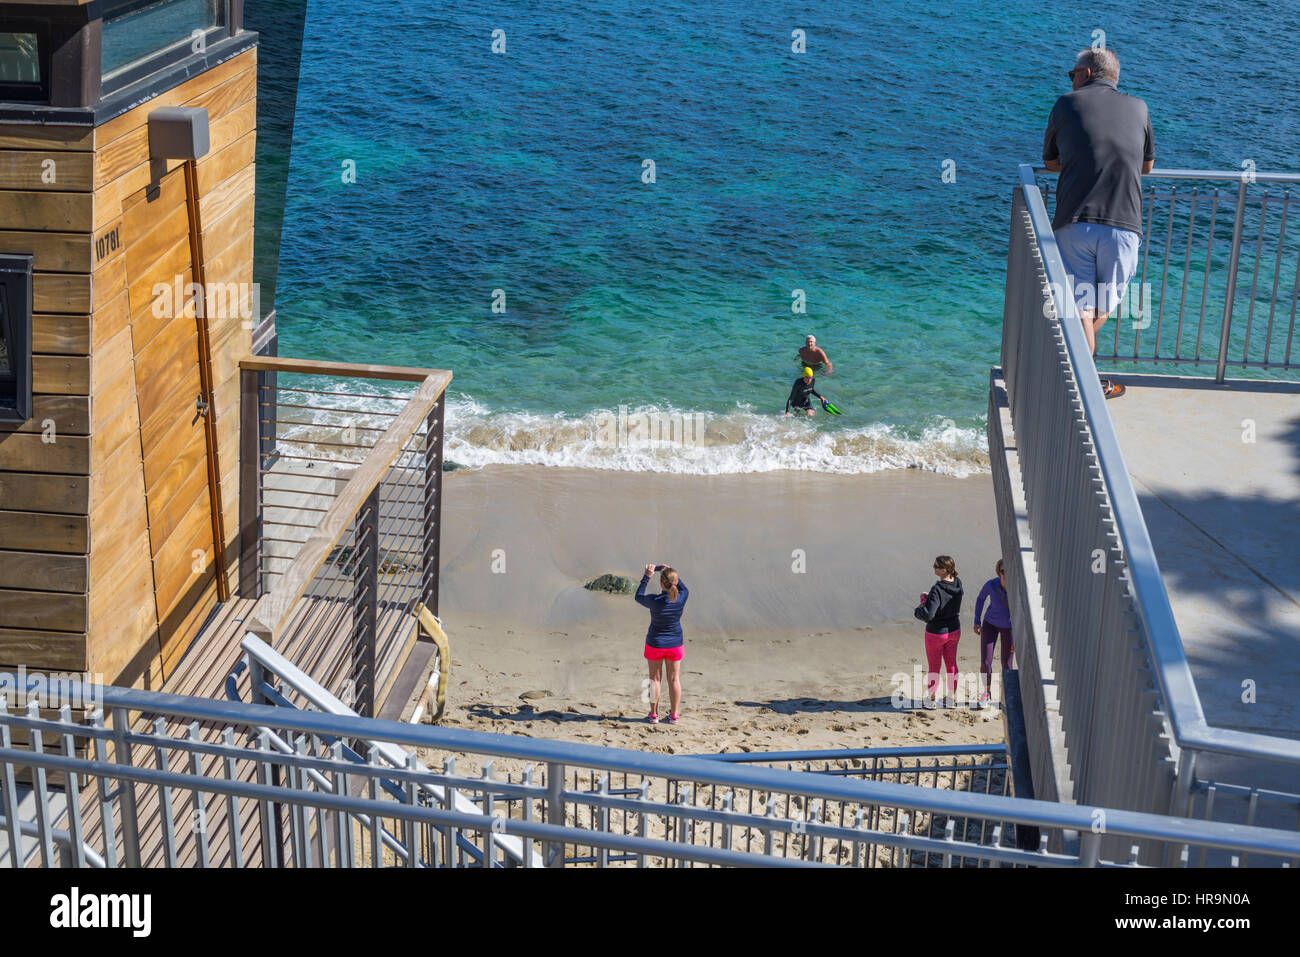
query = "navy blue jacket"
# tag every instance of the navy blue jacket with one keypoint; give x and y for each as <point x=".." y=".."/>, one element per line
<point x="665" y="616"/>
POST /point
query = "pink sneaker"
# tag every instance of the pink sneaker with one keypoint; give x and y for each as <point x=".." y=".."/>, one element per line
<point x="652" y="718"/>
<point x="672" y="718"/>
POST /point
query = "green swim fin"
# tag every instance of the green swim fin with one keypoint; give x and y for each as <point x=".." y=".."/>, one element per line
<point x="830" y="408"/>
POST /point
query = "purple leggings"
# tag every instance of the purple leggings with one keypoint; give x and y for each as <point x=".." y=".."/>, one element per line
<point x="989" y="638"/>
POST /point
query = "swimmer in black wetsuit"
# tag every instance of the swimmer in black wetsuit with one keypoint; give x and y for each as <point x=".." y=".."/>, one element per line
<point x="803" y="387"/>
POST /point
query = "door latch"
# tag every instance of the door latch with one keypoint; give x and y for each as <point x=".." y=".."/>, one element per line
<point x="200" y="405"/>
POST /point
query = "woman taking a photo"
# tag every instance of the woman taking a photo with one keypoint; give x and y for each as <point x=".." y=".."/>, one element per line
<point x="940" y="609"/>
<point x="664" y="641"/>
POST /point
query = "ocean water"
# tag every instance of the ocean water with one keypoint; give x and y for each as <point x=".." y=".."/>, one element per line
<point x="775" y="171"/>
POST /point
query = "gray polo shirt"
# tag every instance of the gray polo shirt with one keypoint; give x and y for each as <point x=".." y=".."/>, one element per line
<point x="1101" y="136"/>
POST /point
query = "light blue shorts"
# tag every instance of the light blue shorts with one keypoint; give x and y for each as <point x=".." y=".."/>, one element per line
<point x="1101" y="261"/>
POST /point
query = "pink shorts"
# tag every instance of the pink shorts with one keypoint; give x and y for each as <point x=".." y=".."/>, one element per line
<point x="664" y="654"/>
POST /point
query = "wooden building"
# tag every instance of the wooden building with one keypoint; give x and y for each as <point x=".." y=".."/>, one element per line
<point x="120" y="451"/>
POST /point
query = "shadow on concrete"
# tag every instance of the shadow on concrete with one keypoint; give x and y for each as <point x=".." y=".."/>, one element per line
<point x="1236" y="559"/>
<point x="1231" y="563"/>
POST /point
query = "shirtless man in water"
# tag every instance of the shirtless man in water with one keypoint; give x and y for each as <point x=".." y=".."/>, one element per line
<point x="813" y="356"/>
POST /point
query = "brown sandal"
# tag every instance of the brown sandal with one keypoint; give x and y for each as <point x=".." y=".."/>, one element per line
<point x="1111" y="389"/>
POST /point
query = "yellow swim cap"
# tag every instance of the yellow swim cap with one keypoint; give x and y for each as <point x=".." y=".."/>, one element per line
<point x="807" y="372"/>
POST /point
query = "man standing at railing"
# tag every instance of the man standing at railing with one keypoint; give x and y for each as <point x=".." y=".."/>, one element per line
<point x="1100" y="141"/>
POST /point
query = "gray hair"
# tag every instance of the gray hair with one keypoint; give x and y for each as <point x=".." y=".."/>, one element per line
<point x="1103" y="63"/>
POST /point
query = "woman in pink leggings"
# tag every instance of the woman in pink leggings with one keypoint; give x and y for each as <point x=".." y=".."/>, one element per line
<point x="940" y="609"/>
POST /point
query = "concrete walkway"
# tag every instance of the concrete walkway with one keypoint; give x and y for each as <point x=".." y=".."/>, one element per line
<point x="1217" y="471"/>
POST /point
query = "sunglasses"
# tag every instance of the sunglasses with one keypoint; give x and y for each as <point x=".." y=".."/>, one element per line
<point x="1074" y="71"/>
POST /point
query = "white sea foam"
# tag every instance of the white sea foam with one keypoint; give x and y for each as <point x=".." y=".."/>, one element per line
<point x="648" y="439"/>
<point x="652" y="439"/>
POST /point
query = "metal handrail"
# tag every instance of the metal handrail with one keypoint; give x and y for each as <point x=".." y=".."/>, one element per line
<point x="454" y="819"/>
<point x="1187" y="720"/>
<point x="59" y="836"/>
<point x="386" y="488"/>
<point x="1043" y="814"/>
<point x="272" y="661"/>
<point x="1243" y="179"/>
<point x="276" y="608"/>
<point x="1240" y="175"/>
<point x="919" y="751"/>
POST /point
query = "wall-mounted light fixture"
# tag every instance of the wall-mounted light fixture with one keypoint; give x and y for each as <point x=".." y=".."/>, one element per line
<point x="178" y="132"/>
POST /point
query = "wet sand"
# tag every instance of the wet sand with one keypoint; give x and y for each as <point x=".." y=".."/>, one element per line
<point x="799" y="618"/>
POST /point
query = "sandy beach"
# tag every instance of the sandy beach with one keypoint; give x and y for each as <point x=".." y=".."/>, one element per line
<point x="799" y="619"/>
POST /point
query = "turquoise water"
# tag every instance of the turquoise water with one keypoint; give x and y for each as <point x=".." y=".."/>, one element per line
<point x="775" y="171"/>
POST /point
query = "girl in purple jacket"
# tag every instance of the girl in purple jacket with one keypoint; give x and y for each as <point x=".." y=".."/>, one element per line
<point x="997" y="621"/>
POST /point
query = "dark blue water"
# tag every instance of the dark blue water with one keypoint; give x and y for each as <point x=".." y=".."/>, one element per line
<point x="820" y="171"/>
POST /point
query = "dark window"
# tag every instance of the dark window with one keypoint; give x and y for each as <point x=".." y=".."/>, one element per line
<point x="6" y="369"/>
<point x="24" y="59"/>
<point x="142" y="36"/>
<point x="16" y="337"/>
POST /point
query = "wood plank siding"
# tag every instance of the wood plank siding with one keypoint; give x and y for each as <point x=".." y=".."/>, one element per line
<point x="106" y="550"/>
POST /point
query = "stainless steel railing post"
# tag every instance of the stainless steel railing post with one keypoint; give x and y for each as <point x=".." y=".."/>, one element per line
<point x="365" y="588"/>
<point x="250" y="485"/>
<point x="553" y="853"/>
<point x="9" y="794"/>
<point x="1089" y="849"/>
<point x="1230" y="293"/>
<point x="126" y="789"/>
<point x="434" y="436"/>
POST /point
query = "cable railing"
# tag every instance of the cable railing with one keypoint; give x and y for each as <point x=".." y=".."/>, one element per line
<point x="1115" y="674"/>
<point x="1218" y="276"/>
<point x="321" y="787"/>
<point x="343" y="467"/>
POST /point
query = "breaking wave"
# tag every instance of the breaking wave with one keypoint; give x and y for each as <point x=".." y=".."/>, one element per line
<point x="649" y="439"/>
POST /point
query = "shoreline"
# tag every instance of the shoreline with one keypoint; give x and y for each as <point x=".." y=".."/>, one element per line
<point x="681" y="441"/>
